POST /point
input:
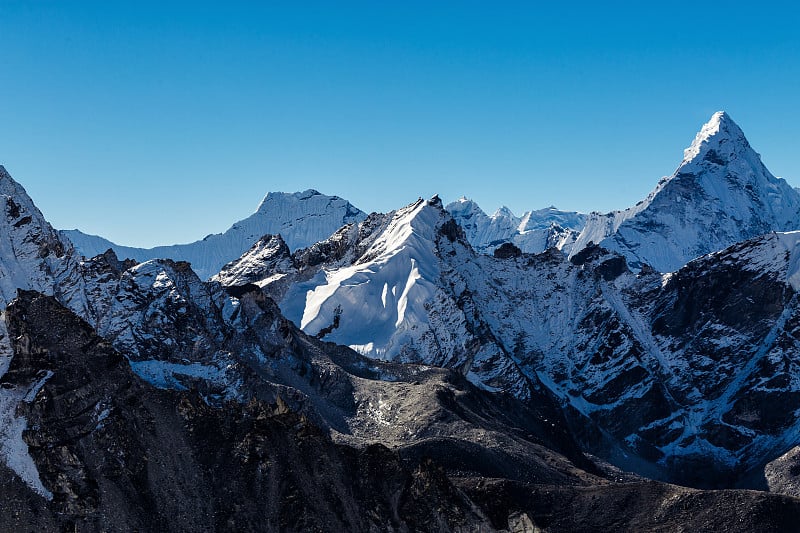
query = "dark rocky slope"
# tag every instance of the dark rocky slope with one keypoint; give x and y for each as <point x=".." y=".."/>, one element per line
<point x="118" y="454"/>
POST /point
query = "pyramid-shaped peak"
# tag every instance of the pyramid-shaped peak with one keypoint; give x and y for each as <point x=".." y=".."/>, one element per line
<point x="503" y="212"/>
<point x="720" y="134"/>
<point x="721" y="123"/>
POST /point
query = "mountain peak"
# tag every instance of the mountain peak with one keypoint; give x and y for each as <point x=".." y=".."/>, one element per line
<point x="504" y="212"/>
<point x="287" y="197"/>
<point x="721" y="135"/>
<point x="10" y="187"/>
<point x="719" y="195"/>
<point x="465" y="207"/>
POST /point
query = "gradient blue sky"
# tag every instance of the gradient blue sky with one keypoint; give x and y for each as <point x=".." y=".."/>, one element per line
<point x="159" y="122"/>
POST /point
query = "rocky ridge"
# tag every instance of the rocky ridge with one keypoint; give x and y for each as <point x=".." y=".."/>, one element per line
<point x="644" y="387"/>
<point x="98" y="437"/>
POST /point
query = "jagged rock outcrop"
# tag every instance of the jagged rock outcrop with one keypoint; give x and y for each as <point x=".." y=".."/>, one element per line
<point x="113" y="452"/>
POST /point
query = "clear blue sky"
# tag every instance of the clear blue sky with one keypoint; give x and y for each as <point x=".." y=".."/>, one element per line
<point x="159" y="122"/>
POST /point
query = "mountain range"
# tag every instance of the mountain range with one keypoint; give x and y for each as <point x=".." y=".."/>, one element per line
<point x="315" y="368"/>
<point x="302" y="219"/>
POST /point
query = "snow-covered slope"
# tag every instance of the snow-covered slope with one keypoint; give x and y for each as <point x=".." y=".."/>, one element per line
<point x="720" y="194"/>
<point x="388" y="289"/>
<point x="301" y="219"/>
<point x="689" y="376"/>
<point x="32" y="254"/>
<point x="534" y="232"/>
<point x="379" y="288"/>
<point x="651" y="367"/>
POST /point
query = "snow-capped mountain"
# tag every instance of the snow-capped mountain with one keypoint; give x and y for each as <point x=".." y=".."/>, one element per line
<point x="720" y="194"/>
<point x="533" y="232"/>
<point x="395" y="330"/>
<point x="378" y="287"/>
<point x="211" y="364"/>
<point x="32" y="255"/>
<point x="408" y="287"/>
<point x="301" y="219"/>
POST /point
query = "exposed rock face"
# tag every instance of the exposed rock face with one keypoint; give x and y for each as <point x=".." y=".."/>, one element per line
<point x="270" y="257"/>
<point x="635" y="507"/>
<point x="116" y="453"/>
<point x="782" y="475"/>
<point x="507" y="251"/>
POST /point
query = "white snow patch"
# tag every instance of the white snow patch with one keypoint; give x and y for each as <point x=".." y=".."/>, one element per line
<point x="162" y="374"/>
<point x="373" y="320"/>
<point x="13" y="449"/>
